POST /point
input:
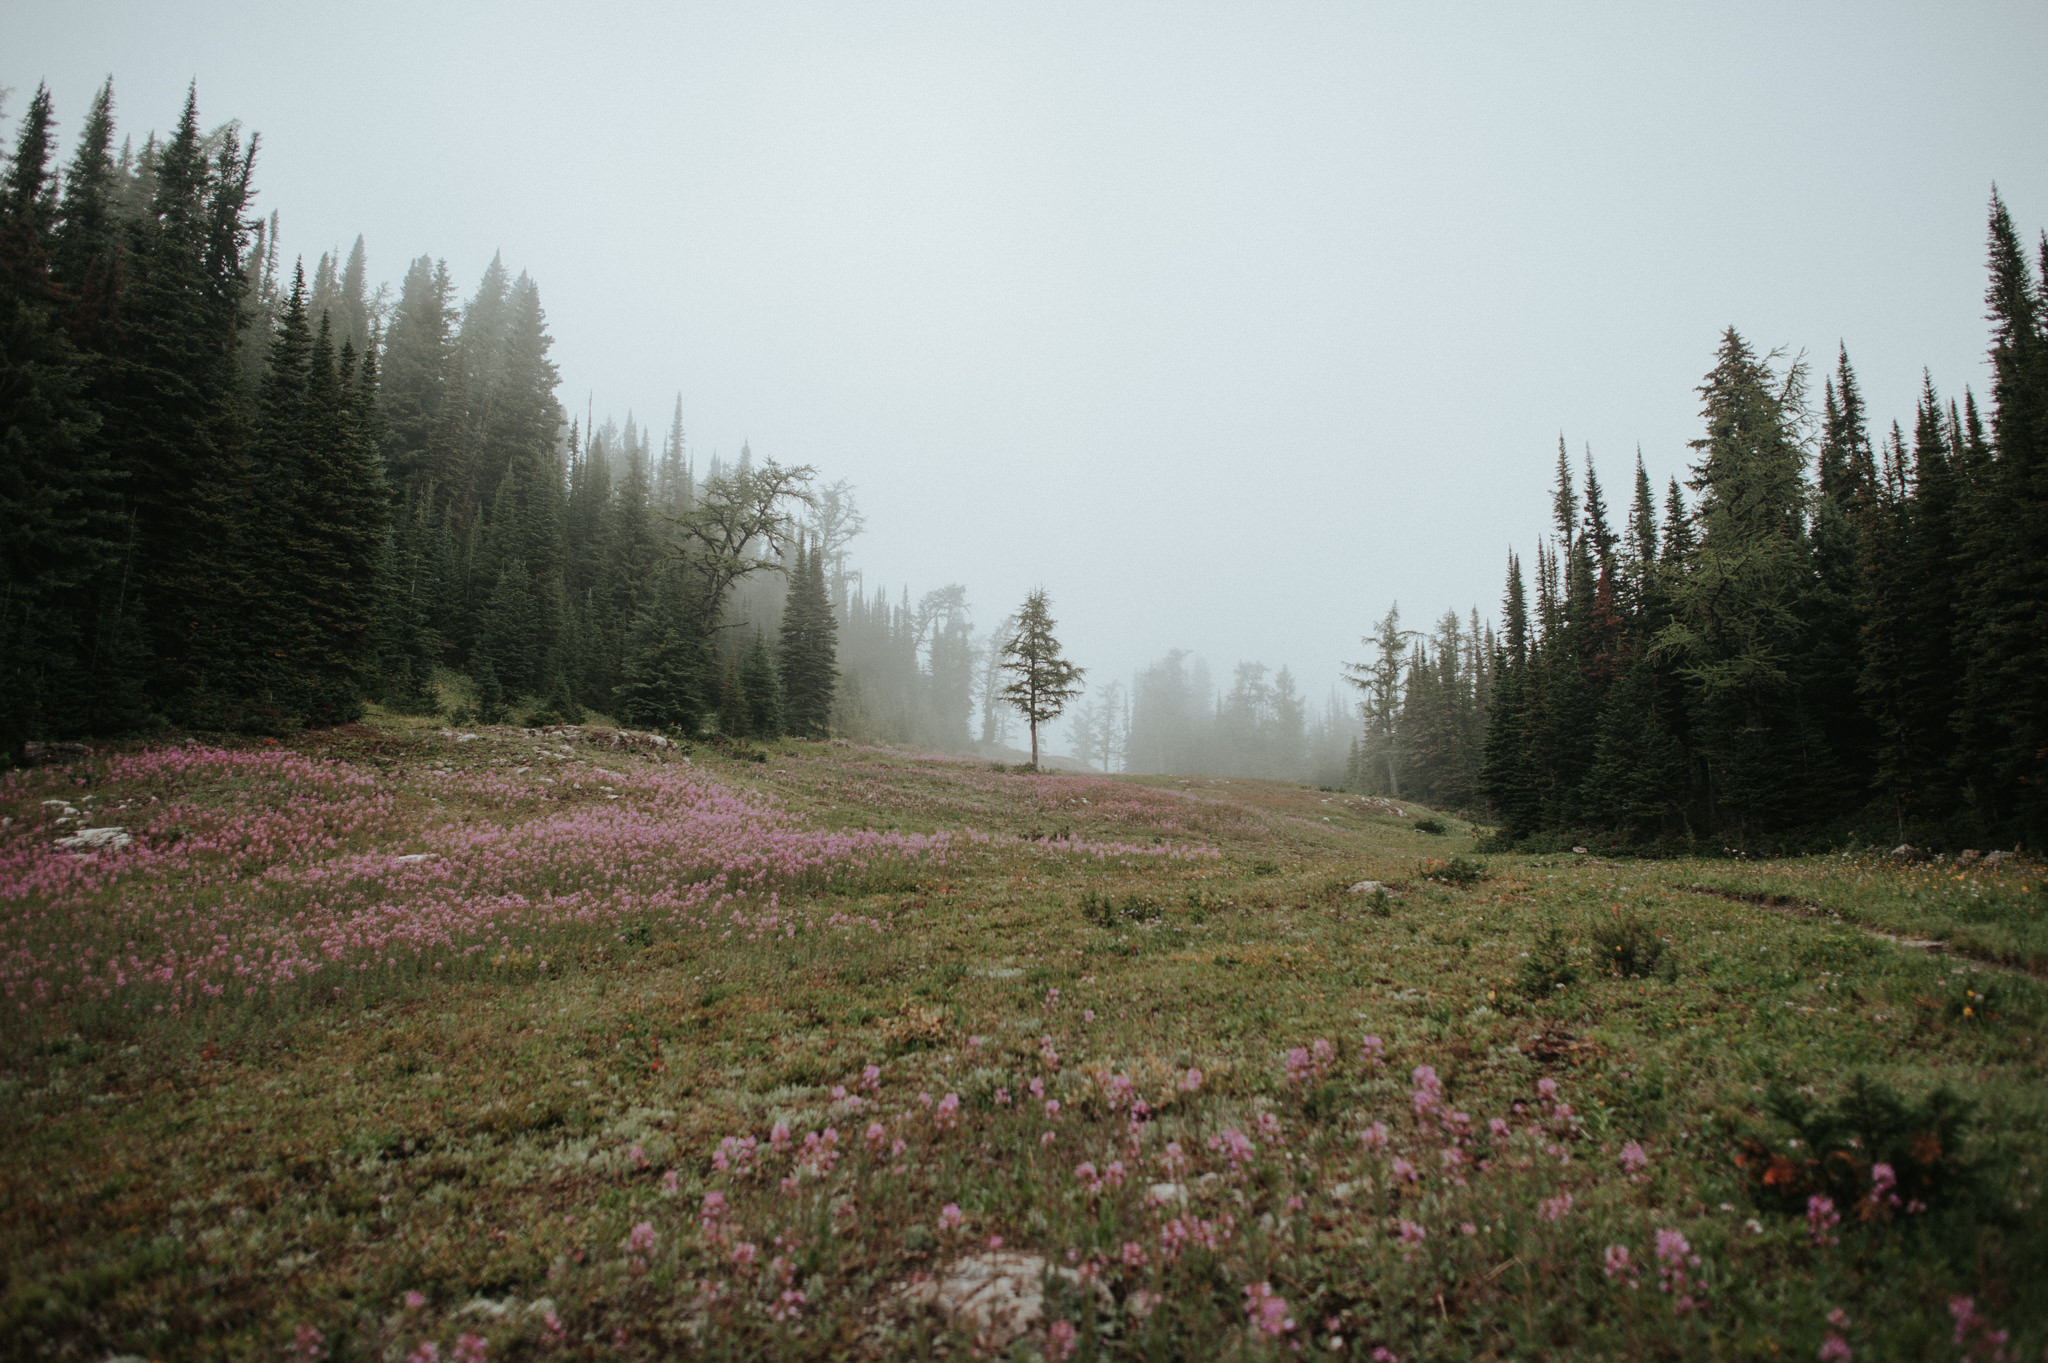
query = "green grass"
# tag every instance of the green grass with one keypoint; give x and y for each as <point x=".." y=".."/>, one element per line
<point x="202" y="1187"/>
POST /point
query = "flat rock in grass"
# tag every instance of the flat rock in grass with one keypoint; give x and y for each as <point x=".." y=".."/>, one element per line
<point x="45" y="754"/>
<point x="1368" y="887"/>
<point x="997" y="1296"/>
<point x="95" y="839"/>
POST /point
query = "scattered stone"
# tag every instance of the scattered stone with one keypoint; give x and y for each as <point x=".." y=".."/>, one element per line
<point x="1580" y="850"/>
<point x="1997" y="858"/>
<point x="489" y="1309"/>
<point x="1368" y="887"/>
<point x="415" y="858"/>
<point x="630" y="740"/>
<point x="43" y="754"/>
<point x="95" y="839"/>
<point x="1970" y="857"/>
<point x="998" y="1296"/>
<point x="1906" y="851"/>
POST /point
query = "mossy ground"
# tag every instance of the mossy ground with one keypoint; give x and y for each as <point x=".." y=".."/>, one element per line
<point x="228" y="1181"/>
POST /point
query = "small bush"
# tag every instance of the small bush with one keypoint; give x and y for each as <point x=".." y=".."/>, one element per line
<point x="1548" y="966"/>
<point x="1625" y="945"/>
<point x="1264" y="867"/>
<point x="1432" y="824"/>
<point x="1458" y="871"/>
<point x="1111" y="914"/>
<point x="1380" y="904"/>
<point x="1834" y="1150"/>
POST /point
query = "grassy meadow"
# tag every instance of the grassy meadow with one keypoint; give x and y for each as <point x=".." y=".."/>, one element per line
<point x="397" y="1043"/>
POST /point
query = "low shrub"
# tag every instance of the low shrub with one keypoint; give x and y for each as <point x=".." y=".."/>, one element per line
<point x="1627" y="946"/>
<point x="1870" y="1153"/>
<point x="1547" y="968"/>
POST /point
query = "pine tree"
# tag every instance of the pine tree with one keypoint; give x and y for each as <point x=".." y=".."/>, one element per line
<point x="1736" y="628"/>
<point x="763" y="688"/>
<point x="809" y="648"/>
<point x="2002" y="626"/>
<point x="1041" y="680"/>
<point x="663" y="676"/>
<point x="52" y="483"/>
<point x="418" y="352"/>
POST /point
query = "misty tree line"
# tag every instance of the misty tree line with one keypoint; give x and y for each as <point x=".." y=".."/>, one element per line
<point x="238" y="500"/>
<point x="1836" y="637"/>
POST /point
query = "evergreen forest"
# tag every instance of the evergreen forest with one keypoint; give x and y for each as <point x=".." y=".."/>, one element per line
<point x="237" y="498"/>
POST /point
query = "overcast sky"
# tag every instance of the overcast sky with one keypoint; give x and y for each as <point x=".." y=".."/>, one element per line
<point x="1228" y="324"/>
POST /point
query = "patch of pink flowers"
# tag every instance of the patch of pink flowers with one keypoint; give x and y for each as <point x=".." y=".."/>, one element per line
<point x="1268" y="1310"/>
<point x="240" y="898"/>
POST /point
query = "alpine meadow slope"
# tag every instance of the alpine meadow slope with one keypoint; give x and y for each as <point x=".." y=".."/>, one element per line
<point x="529" y="1043"/>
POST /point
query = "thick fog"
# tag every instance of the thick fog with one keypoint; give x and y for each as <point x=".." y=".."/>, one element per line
<point x="1228" y="325"/>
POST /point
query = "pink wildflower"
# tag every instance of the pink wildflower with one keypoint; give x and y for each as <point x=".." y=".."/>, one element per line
<point x="1498" y="1129"/>
<point x="1133" y="1254"/>
<point x="1412" y="1235"/>
<point x="950" y="1217"/>
<point x="871" y="1079"/>
<point x="1834" y="1349"/>
<point x="669" y="1181"/>
<point x="1428" y="1091"/>
<point x="308" y="1344"/>
<point x="1374" y="1137"/>
<point x="1821" y="1219"/>
<point x="744" y="1255"/>
<point x="1267" y="1309"/>
<point x="779" y="1137"/>
<point x="1882" y="1181"/>
<point x="1405" y="1171"/>
<point x="1372" y="1052"/>
<point x="470" y="1348"/>
<point x="1191" y="1082"/>
<point x="1554" y="1208"/>
<point x="877" y="1136"/>
<point x="1546" y="1089"/>
<point x="426" y="1351"/>
<point x="1634" y="1161"/>
<point x="1059" y="1340"/>
<point x="1617" y="1265"/>
<point x="1674" y="1258"/>
<point x="415" y="1299"/>
<point x="640" y="1241"/>
<point x="1236" y="1145"/>
<point x="946" y="1115"/>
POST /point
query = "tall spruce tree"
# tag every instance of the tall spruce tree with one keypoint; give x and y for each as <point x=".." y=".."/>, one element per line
<point x="808" y="655"/>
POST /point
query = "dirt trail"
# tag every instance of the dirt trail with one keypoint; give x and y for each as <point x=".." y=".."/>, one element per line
<point x="1806" y="908"/>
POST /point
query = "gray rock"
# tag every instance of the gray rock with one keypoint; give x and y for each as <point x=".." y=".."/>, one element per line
<point x="43" y="754"/>
<point x="95" y="839"/>
<point x="997" y="1296"/>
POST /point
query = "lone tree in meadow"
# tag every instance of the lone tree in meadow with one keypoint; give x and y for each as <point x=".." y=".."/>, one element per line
<point x="1041" y="681"/>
